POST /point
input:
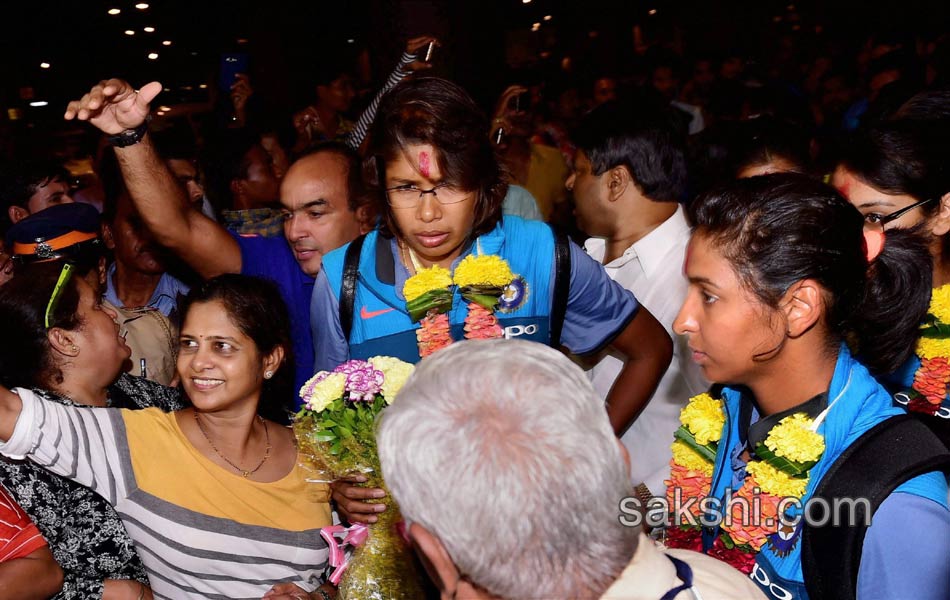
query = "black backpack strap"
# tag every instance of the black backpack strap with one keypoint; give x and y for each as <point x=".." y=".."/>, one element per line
<point x="887" y="455"/>
<point x="351" y="267"/>
<point x="562" y="285"/>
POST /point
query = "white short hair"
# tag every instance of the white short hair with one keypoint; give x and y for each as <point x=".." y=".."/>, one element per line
<point x="503" y="450"/>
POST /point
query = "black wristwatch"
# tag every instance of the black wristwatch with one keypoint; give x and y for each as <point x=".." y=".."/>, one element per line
<point x="130" y="137"/>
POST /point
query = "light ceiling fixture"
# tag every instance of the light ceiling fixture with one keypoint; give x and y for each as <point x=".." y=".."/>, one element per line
<point x="39" y="103"/>
<point x="652" y="11"/>
<point x="152" y="55"/>
<point x="141" y="6"/>
<point x="129" y="32"/>
<point x="44" y="65"/>
<point x="167" y="43"/>
<point x="114" y="11"/>
<point x="164" y="108"/>
<point x="536" y="27"/>
<point x="548" y="17"/>
<point x="203" y="86"/>
<point x="148" y="29"/>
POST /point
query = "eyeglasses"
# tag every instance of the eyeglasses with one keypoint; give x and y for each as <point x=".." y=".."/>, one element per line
<point x="409" y="196"/>
<point x="874" y="219"/>
<point x="54" y="298"/>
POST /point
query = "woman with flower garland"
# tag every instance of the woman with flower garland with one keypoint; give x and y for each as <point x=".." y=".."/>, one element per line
<point x="896" y="175"/>
<point x="781" y="275"/>
<point x="445" y="266"/>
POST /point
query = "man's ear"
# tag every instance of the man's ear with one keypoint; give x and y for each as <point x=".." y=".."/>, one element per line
<point x="618" y="178"/>
<point x="941" y="222"/>
<point x="238" y="188"/>
<point x="62" y="342"/>
<point x="17" y="213"/>
<point x="624" y="453"/>
<point x="107" y="236"/>
<point x="365" y="216"/>
<point x="435" y="559"/>
<point x="803" y="304"/>
<point x="102" y="273"/>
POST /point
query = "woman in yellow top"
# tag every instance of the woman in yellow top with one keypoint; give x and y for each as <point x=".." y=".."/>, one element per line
<point x="212" y="495"/>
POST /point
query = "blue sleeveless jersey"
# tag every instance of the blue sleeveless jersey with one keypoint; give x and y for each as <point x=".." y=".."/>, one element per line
<point x="381" y="324"/>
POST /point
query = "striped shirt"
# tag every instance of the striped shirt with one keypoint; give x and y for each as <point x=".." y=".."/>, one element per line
<point x="201" y="531"/>
<point x="356" y="136"/>
<point x="19" y="537"/>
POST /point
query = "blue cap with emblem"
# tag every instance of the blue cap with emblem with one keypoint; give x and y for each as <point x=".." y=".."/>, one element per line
<point x="65" y="231"/>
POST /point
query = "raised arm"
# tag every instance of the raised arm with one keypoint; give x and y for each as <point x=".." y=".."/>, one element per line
<point x="72" y="442"/>
<point x="115" y="107"/>
<point x="407" y="63"/>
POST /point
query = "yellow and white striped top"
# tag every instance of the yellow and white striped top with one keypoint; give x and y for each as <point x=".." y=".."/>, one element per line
<point x="201" y="531"/>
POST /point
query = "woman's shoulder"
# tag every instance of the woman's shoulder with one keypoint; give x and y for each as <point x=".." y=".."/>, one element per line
<point x="334" y="260"/>
<point x="133" y="392"/>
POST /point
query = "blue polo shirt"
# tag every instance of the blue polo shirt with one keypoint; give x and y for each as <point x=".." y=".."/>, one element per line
<point x="271" y="258"/>
<point x="164" y="298"/>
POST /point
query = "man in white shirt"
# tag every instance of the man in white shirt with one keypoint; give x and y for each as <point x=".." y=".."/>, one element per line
<point x="629" y="175"/>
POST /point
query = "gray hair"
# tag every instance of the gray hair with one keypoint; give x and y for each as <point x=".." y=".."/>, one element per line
<point x="503" y="450"/>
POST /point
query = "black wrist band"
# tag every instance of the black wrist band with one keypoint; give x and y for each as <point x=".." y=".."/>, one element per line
<point x="323" y="593"/>
<point x="130" y="137"/>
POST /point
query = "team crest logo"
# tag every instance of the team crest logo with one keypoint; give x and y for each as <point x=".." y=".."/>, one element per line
<point x="783" y="541"/>
<point x="514" y="295"/>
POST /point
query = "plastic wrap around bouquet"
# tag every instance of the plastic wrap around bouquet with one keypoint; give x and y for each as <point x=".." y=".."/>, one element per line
<point x="336" y="434"/>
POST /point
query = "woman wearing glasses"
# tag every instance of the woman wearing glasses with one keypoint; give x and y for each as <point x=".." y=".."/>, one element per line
<point x="896" y="175"/>
<point x="440" y="193"/>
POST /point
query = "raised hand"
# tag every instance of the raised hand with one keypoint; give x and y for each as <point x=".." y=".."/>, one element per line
<point x="503" y="108"/>
<point x="418" y="46"/>
<point x="113" y="105"/>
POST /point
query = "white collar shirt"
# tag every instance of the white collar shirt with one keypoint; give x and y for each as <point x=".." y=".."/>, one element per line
<point x="652" y="268"/>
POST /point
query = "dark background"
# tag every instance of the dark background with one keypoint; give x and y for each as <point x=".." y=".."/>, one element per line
<point x="487" y="43"/>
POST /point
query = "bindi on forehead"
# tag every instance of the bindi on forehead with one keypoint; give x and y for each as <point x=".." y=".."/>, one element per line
<point x="425" y="164"/>
<point x="843" y="184"/>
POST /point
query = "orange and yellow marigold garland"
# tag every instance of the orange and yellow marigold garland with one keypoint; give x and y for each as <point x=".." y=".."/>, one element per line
<point x="481" y="280"/>
<point x="780" y="469"/>
<point x="932" y="378"/>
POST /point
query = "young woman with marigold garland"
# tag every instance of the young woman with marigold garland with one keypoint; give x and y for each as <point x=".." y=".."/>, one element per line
<point x="896" y="175"/>
<point x="445" y="258"/>
<point x="781" y="276"/>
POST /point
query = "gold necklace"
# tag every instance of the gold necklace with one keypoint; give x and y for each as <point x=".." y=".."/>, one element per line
<point x="243" y="472"/>
<point x="409" y="259"/>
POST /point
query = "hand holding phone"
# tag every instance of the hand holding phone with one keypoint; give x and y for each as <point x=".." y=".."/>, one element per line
<point x="231" y="65"/>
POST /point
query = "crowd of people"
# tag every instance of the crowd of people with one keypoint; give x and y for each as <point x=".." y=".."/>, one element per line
<point x="709" y="300"/>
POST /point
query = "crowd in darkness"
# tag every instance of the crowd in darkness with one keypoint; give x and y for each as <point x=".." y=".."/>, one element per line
<point x="733" y="271"/>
